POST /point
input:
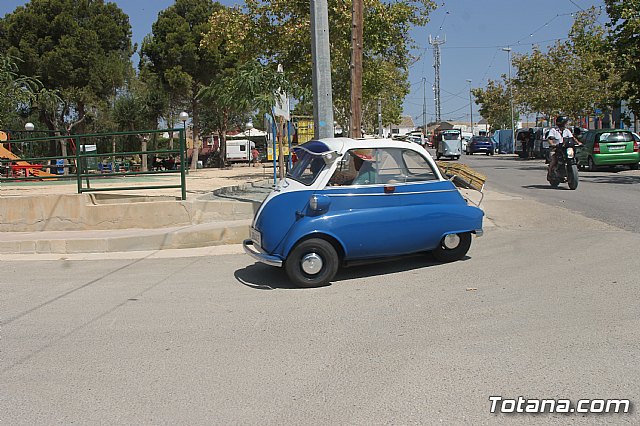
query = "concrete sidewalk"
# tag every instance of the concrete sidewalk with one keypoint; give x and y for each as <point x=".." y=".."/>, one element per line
<point x="50" y="217"/>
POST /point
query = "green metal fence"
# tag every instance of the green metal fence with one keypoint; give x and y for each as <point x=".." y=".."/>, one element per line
<point x="114" y="155"/>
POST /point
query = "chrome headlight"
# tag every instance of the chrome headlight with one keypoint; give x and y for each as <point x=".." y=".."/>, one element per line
<point x="570" y="152"/>
<point x="319" y="203"/>
<point x="313" y="202"/>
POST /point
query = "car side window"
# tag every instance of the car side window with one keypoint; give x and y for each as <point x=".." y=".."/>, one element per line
<point x="418" y="169"/>
<point x="345" y="173"/>
<point x="382" y="166"/>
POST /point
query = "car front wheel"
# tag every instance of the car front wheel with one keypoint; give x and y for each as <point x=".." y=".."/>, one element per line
<point x="312" y="263"/>
<point x="453" y="247"/>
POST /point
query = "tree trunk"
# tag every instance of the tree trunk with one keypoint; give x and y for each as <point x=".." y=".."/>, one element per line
<point x="63" y="149"/>
<point x="280" y="139"/>
<point x="223" y="138"/>
<point x="194" y="126"/>
<point x="171" y="125"/>
<point x="113" y="149"/>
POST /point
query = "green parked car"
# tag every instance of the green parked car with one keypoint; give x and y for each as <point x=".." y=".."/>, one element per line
<point x="608" y="147"/>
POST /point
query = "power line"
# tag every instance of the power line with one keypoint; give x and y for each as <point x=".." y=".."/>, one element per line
<point x="461" y="108"/>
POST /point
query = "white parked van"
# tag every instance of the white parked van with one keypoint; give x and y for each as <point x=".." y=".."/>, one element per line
<point x="239" y="150"/>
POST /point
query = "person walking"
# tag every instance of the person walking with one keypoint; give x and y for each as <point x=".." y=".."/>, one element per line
<point x="254" y="157"/>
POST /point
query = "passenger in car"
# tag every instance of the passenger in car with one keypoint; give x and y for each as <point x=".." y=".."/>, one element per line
<point x="363" y="162"/>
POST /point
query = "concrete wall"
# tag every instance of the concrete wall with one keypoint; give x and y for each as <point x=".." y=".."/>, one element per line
<point x="76" y="212"/>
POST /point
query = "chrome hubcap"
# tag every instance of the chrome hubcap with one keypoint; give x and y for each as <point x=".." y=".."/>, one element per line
<point x="451" y="241"/>
<point x="311" y="264"/>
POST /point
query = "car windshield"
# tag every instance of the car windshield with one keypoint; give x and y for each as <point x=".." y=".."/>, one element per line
<point x="309" y="162"/>
<point x="616" y="137"/>
<point x="450" y="136"/>
<point x="481" y="139"/>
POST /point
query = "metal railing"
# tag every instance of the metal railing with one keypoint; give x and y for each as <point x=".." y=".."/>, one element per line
<point x="83" y="165"/>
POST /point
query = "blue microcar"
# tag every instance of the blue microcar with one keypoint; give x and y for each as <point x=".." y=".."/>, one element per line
<point x="347" y="199"/>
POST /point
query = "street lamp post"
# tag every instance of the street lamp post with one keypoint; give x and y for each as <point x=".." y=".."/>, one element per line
<point x="183" y="117"/>
<point x="513" y="130"/>
<point x="29" y="128"/>
<point x="249" y="127"/>
<point x="470" y="107"/>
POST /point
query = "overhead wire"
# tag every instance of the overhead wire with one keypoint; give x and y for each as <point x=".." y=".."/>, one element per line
<point x="496" y="47"/>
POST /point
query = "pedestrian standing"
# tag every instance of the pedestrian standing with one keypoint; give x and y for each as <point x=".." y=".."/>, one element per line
<point x="254" y="157"/>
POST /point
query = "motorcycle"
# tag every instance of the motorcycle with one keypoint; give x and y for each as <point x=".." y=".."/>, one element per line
<point x="566" y="169"/>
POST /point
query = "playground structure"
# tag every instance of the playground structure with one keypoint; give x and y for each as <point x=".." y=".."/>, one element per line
<point x="95" y="157"/>
<point x="18" y="165"/>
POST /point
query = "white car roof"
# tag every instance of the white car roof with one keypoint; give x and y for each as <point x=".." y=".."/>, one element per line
<point x="342" y="145"/>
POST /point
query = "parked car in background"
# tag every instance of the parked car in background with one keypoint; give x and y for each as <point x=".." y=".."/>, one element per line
<point x="239" y="150"/>
<point x="608" y="147"/>
<point x="480" y="144"/>
<point x="541" y="142"/>
<point x="415" y="139"/>
<point x="465" y="142"/>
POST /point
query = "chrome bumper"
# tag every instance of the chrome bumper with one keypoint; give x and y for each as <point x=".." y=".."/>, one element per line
<point x="259" y="255"/>
<point x="479" y="232"/>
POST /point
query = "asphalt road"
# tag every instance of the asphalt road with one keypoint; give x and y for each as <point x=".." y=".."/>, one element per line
<point x="611" y="196"/>
<point x="222" y="340"/>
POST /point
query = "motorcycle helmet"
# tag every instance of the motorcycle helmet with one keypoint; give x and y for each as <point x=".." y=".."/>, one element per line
<point x="562" y="120"/>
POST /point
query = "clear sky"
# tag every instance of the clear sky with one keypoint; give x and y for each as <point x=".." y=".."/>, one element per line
<point x="475" y="32"/>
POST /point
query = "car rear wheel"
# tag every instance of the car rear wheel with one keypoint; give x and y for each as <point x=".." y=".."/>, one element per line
<point x="453" y="247"/>
<point x="591" y="165"/>
<point x="312" y="263"/>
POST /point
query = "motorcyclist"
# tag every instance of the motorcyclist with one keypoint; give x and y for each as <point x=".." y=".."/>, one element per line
<point x="556" y="136"/>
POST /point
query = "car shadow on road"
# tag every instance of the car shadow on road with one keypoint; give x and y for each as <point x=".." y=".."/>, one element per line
<point x="263" y="277"/>
<point x="617" y="179"/>
<point x="547" y="186"/>
<point x="605" y="179"/>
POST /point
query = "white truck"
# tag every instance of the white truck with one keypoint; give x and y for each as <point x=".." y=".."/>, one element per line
<point x="239" y="150"/>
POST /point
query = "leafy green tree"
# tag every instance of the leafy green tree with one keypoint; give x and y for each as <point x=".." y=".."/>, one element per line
<point x="624" y="27"/>
<point x="17" y="92"/>
<point x="140" y="107"/>
<point x="173" y="51"/>
<point x="79" y="49"/>
<point x="574" y="77"/>
<point x="495" y="105"/>
<point x="280" y="31"/>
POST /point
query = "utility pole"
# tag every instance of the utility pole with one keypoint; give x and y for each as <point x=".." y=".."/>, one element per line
<point x="380" y="133"/>
<point x="436" y="42"/>
<point x="470" y="107"/>
<point x="513" y="127"/>
<point x="424" y="107"/>
<point x="357" y="23"/>
<point x="321" y="70"/>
